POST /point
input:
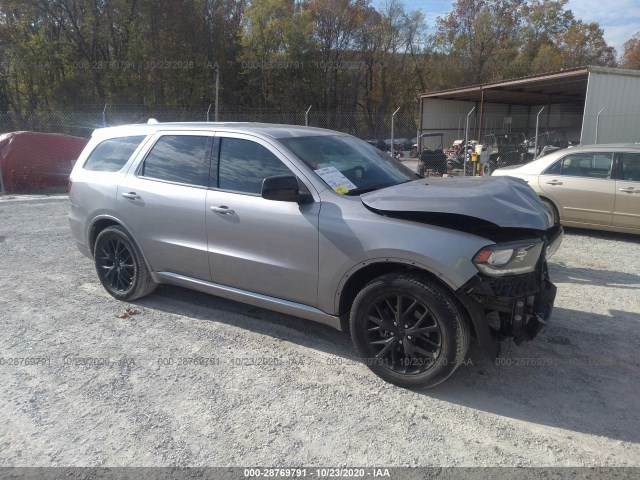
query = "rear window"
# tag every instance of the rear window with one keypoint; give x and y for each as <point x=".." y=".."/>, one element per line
<point x="111" y="155"/>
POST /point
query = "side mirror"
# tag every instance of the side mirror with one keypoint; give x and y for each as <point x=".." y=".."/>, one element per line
<point x="484" y="148"/>
<point x="285" y="188"/>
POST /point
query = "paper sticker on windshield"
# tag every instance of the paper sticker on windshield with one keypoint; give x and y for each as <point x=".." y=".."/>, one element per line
<point x="335" y="179"/>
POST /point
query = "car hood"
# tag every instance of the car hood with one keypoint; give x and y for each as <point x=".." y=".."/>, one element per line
<point x="503" y="201"/>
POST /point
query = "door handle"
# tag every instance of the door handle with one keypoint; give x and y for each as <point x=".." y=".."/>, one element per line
<point x="222" y="209"/>
<point x="554" y="182"/>
<point x="131" y="195"/>
<point x="629" y="190"/>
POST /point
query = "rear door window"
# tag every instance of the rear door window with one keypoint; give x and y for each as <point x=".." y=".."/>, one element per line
<point x="113" y="154"/>
<point x="630" y="171"/>
<point x="180" y="159"/>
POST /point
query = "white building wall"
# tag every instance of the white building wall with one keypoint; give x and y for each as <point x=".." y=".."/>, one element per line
<point x="619" y="93"/>
<point x="448" y="117"/>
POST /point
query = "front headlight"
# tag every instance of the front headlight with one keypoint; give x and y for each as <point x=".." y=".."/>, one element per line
<point x="509" y="258"/>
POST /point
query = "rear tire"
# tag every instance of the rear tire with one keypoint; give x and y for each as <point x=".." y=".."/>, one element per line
<point x="409" y="330"/>
<point x="120" y="265"/>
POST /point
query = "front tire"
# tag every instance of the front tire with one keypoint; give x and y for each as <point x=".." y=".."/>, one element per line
<point x="551" y="208"/>
<point x="409" y="330"/>
<point x="488" y="168"/>
<point x="120" y="265"/>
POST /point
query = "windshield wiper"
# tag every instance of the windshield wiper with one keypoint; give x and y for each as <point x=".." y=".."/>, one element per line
<point x="359" y="191"/>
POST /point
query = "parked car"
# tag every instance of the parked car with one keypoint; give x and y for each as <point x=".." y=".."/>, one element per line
<point x="34" y="162"/>
<point x="320" y="225"/>
<point x="548" y="142"/>
<point x="589" y="186"/>
<point x="379" y="144"/>
<point x="432" y="159"/>
<point x="502" y="150"/>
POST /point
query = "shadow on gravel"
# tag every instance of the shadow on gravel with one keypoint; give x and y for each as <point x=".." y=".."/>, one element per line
<point x="182" y="301"/>
<point x="561" y="379"/>
<point x="575" y="379"/>
<point x="603" y="278"/>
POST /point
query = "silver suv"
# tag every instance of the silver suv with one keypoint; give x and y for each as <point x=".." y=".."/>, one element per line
<point x="320" y="225"/>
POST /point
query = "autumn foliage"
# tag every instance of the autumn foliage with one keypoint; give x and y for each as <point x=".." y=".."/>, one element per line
<point x="337" y="55"/>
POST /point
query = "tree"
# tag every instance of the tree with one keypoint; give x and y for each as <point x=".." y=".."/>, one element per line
<point x="274" y="40"/>
<point x="392" y="72"/>
<point x="584" y="44"/>
<point x="543" y="22"/>
<point x="631" y="54"/>
<point x="480" y="37"/>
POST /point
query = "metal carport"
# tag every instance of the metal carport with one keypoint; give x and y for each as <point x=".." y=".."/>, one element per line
<point x="575" y="104"/>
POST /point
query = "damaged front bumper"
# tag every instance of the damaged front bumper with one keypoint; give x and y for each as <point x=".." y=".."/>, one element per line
<point x="512" y="306"/>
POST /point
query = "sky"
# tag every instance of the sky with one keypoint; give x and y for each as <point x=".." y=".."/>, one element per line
<point x="619" y="19"/>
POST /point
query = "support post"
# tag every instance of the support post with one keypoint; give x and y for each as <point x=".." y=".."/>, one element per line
<point x="217" y="70"/>
<point x="535" y="148"/>
<point x="466" y="143"/>
<point x="306" y="116"/>
<point x="392" y="125"/>
<point x="598" y="123"/>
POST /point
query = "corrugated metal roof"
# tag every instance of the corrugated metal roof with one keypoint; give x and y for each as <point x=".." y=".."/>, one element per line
<point x="564" y="86"/>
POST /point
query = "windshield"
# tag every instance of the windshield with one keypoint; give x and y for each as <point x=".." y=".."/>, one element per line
<point x="348" y="165"/>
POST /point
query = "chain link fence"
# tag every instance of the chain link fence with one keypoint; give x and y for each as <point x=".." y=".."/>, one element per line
<point x="42" y="163"/>
<point x="82" y="121"/>
<point x="516" y="136"/>
<point x="507" y="137"/>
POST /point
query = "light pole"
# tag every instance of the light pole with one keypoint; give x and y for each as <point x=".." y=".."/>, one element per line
<point x="466" y="143"/>
<point x="306" y="116"/>
<point x="535" y="148"/>
<point x="392" y="125"/>
<point x="598" y="123"/>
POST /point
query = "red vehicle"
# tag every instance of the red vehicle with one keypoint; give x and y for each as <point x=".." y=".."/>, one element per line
<point x="37" y="162"/>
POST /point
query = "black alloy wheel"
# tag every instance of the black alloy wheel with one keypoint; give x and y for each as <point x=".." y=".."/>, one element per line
<point x="402" y="333"/>
<point x="120" y="265"/>
<point x="409" y="329"/>
<point x="115" y="265"/>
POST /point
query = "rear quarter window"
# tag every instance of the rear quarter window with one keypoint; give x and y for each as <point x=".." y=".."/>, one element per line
<point x="111" y="155"/>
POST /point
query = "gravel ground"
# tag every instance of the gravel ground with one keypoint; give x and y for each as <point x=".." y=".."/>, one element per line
<point x="271" y="390"/>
